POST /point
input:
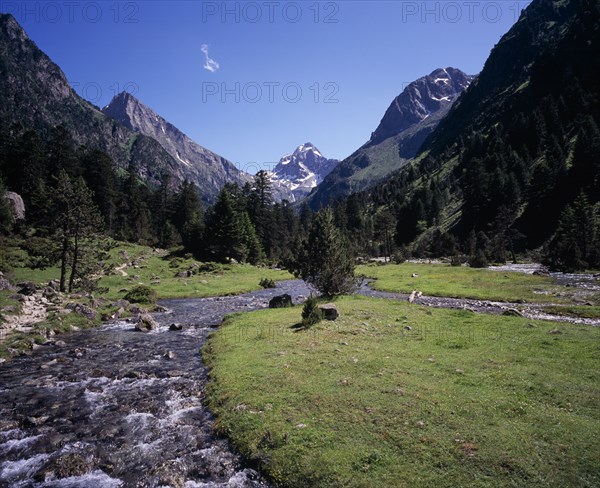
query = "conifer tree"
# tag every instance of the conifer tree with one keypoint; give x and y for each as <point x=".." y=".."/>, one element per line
<point x="326" y="262"/>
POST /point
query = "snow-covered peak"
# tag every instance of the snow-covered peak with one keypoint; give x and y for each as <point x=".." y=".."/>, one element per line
<point x="302" y="170"/>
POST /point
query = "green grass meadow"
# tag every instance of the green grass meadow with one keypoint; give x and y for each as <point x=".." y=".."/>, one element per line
<point x="458" y="400"/>
<point x="444" y="280"/>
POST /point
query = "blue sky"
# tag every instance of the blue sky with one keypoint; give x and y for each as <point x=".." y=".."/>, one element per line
<point x="277" y="74"/>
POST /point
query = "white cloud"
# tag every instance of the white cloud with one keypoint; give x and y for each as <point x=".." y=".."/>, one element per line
<point x="209" y="64"/>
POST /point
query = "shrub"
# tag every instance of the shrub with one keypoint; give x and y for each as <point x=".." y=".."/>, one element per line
<point x="457" y="260"/>
<point x="311" y="314"/>
<point x="267" y="283"/>
<point x="478" y="260"/>
<point x="141" y="294"/>
<point x="211" y="267"/>
<point x="399" y="256"/>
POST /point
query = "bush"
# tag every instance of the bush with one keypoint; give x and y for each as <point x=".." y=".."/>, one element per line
<point x="211" y="267"/>
<point x="457" y="260"/>
<point x="311" y="314"/>
<point x="141" y="294"/>
<point x="478" y="260"/>
<point x="267" y="283"/>
<point x="399" y="256"/>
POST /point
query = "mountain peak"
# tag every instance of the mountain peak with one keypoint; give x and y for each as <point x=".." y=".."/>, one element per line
<point x="12" y="27"/>
<point x="207" y="170"/>
<point x="123" y="97"/>
<point x="420" y="99"/>
<point x="302" y="170"/>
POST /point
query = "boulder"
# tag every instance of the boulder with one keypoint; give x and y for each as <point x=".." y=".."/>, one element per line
<point x="329" y="311"/>
<point x="512" y="312"/>
<point x="63" y="466"/>
<point x="146" y="323"/>
<point x="121" y="304"/>
<point x="26" y="288"/>
<point x="176" y="327"/>
<point x="5" y="284"/>
<point x="84" y="310"/>
<point x="137" y="310"/>
<point x="54" y="284"/>
<point x="17" y="205"/>
<point x="281" y="301"/>
<point x="414" y="295"/>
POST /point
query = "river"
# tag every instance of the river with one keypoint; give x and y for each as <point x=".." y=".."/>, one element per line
<point x="112" y="407"/>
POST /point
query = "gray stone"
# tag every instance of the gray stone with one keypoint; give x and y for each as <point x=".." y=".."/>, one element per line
<point x="329" y="311"/>
<point x="26" y="288"/>
<point x="121" y="303"/>
<point x="146" y="323"/>
<point x="414" y="295"/>
<point x="84" y="310"/>
<point x="176" y="327"/>
<point x="54" y="284"/>
<point x="281" y="301"/>
<point x="5" y="284"/>
<point x="17" y="205"/>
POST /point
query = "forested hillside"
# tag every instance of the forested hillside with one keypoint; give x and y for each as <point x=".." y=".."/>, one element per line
<point x="515" y="162"/>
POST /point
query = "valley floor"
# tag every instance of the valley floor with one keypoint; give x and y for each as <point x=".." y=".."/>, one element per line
<point x="392" y="393"/>
<point x="397" y="394"/>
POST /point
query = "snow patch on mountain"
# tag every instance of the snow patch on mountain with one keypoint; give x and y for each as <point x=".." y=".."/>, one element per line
<point x="301" y="171"/>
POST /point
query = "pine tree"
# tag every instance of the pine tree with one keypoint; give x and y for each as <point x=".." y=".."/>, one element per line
<point x="101" y="179"/>
<point x="253" y="249"/>
<point x="385" y="226"/>
<point x="75" y="218"/>
<point x="326" y="262"/>
<point x="224" y="230"/>
<point x="189" y="218"/>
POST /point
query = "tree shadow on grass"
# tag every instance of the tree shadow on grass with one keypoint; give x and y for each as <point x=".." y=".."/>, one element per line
<point x="299" y="327"/>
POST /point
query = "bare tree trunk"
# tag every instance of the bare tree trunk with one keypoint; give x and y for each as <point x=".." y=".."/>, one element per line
<point x="74" y="263"/>
<point x="63" y="263"/>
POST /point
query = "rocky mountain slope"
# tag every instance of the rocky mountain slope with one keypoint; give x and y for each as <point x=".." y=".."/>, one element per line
<point x="410" y="118"/>
<point x="35" y="93"/>
<point x="301" y="171"/>
<point x="207" y="170"/>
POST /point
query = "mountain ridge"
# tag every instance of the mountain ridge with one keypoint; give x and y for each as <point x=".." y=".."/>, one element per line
<point x="408" y="121"/>
<point x="207" y="170"/>
<point x="35" y="93"/>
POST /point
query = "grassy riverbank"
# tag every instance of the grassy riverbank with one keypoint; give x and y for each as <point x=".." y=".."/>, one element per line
<point x="125" y="266"/>
<point x="444" y="280"/>
<point x="459" y="399"/>
<point x="164" y="273"/>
